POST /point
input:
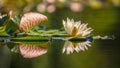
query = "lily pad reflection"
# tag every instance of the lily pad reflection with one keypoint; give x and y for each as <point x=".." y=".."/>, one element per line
<point x="69" y="47"/>
<point x="30" y="50"/>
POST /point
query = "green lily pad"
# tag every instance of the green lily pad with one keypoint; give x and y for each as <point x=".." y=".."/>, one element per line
<point x="30" y="38"/>
<point x="4" y="34"/>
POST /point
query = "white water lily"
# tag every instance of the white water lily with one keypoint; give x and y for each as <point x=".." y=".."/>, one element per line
<point x="70" y="47"/>
<point x="76" y="28"/>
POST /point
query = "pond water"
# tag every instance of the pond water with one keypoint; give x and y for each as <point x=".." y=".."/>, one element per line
<point x="49" y="54"/>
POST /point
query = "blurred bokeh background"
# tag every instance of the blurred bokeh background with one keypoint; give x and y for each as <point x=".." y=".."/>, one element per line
<point x="102" y="15"/>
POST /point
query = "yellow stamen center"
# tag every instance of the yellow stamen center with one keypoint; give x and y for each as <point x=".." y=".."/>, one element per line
<point x="74" y="31"/>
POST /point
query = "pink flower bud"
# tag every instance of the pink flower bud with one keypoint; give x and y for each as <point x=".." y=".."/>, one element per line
<point x="30" y="20"/>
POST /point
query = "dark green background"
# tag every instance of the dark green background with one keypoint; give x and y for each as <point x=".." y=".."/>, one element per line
<point x="102" y="54"/>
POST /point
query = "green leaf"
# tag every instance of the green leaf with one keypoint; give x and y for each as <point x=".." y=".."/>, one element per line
<point x="13" y="25"/>
<point x="4" y="19"/>
<point x="4" y="34"/>
<point x="3" y="22"/>
<point x="30" y="38"/>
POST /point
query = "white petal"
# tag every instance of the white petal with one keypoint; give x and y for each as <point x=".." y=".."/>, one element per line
<point x="68" y="30"/>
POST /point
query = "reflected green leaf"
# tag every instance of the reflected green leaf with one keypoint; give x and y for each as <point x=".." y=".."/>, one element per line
<point x="39" y="43"/>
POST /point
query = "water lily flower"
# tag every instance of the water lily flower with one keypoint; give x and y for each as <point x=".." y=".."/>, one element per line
<point x="76" y="28"/>
<point x="31" y="51"/>
<point x="41" y="7"/>
<point x="51" y="8"/>
<point x="30" y="20"/>
<point x="50" y="1"/>
<point x="76" y="7"/>
<point x="70" y="47"/>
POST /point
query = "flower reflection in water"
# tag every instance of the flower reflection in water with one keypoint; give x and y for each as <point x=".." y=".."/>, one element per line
<point x="31" y="51"/>
<point x="69" y="47"/>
